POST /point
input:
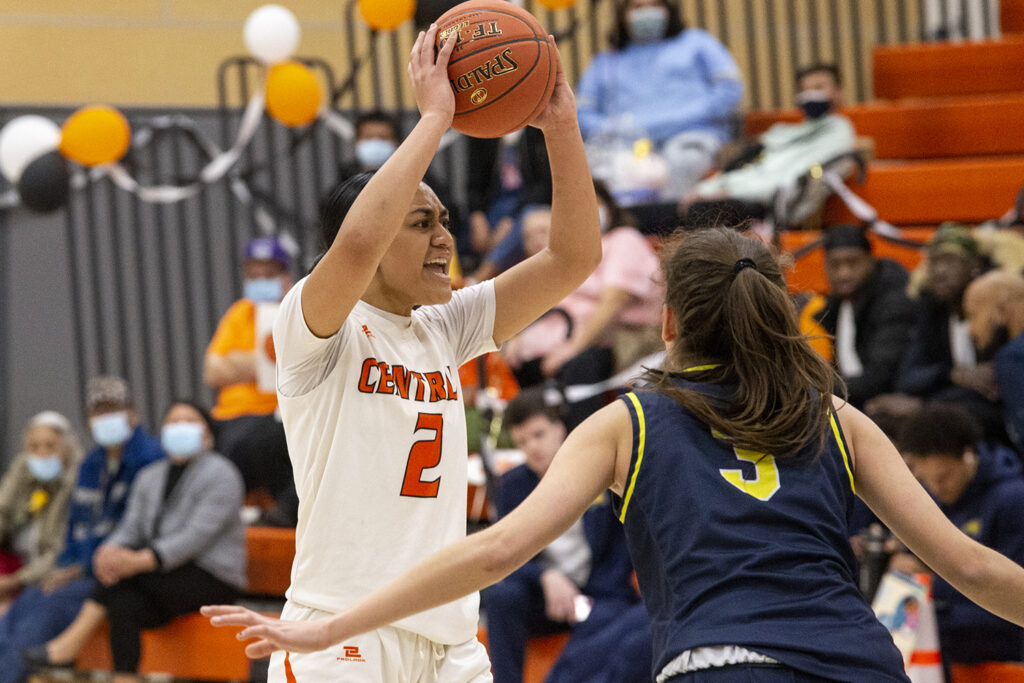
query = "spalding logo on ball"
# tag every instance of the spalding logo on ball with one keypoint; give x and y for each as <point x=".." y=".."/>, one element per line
<point x="502" y="69"/>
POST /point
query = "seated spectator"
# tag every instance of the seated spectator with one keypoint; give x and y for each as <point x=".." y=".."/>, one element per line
<point x="994" y="308"/>
<point x="787" y="151"/>
<point x="613" y="318"/>
<point x="677" y="86"/>
<point x="504" y="176"/>
<point x="981" y="490"/>
<point x="180" y="545"/>
<point x="588" y="566"/>
<point x="34" y="497"/>
<point x="97" y="505"/>
<point x="377" y="136"/>
<point x="867" y="313"/>
<point x="940" y="362"/>
<point x="249" y="432"/>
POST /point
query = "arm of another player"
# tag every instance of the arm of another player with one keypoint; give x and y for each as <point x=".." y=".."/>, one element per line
<point x="991" y="580"/>
<point x="594" y="457"/>
<point x="524" y="292"/>
<point x="344" y="273"/>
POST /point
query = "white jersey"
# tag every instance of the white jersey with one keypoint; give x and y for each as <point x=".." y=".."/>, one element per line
<point x="377" y="437"/>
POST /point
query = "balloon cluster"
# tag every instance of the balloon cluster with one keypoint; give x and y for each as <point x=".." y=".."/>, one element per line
<point x="34" y="152"/>
<point x="293" y="95"/>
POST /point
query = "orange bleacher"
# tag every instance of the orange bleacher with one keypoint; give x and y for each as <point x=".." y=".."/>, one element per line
<point x="938" y="69"/>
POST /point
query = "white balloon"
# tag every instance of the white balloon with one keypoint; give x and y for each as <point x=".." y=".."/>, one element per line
<point x="272" y="33"/>
<point x="23" y="140"/>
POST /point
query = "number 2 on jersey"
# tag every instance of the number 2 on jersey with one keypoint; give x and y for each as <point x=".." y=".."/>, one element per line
<point x="764" y="484"/>
<point x="423" y="455"/>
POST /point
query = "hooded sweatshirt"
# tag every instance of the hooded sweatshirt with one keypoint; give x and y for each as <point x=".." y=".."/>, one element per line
<point x="991" y="511"/>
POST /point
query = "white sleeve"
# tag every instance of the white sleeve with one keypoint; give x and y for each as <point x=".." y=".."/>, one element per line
<point x="303" y="359"/>
<point x="467" y="320"/>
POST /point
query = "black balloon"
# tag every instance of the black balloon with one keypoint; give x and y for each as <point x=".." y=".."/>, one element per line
<point x="427" y="11"/>
<point x="45" y="183"/>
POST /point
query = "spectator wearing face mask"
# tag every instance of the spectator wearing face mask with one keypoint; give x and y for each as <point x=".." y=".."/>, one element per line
<point x="994" y="308"/>
<point x="377" y="135"/>
<point x="239" y="365"/>
<point x="677" y="85"/>
<point x="34" y="497"/>
<point x="123" y="449"/>
<point x="786" y="151"/>
<point x="180" y="545"/>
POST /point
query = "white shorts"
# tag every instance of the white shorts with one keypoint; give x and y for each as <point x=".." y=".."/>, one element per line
<point x="387" y="655"/>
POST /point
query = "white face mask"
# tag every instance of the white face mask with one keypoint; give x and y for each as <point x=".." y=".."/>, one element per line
<point x="45" y="468"/>
<point x="111" y="430"/>
<point x="647" y="24"/>
<point x="373" y="152"/>
<point x="182" y="439"/>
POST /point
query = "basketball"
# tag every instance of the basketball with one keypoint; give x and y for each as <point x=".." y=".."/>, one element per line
<point x="502" y="68"/>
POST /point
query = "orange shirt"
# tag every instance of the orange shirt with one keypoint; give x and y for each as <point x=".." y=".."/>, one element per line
<point x="237" y="332"/>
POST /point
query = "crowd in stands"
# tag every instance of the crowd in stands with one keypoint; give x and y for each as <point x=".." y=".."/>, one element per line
<point x="141" y="529"/>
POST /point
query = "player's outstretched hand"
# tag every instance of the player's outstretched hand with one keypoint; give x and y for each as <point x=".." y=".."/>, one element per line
<point x="561" y="108"/>
<point x="429" y="76"/>
<point x="270" y="634"/>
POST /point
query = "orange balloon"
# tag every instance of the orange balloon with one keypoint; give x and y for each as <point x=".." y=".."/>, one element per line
<point x="95" y="135"/>
<point x="384" y="15"/>
<point x="557" y="4"/>
<point x="293" y="94"/>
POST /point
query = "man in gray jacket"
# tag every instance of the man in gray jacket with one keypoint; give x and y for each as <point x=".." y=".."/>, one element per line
<point x="180" y="545"/>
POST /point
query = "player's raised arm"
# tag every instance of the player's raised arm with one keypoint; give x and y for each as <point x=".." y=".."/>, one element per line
<point x="594" y="457"/>
<point x="529" y="289"/>
<point x="883" y="481"/>
<point x="347" y="268"/>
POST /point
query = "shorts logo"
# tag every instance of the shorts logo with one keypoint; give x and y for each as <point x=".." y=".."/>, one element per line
<point x="351" y="654"/>
<point x="478" y="95"/>
<point x="367" y="332"/>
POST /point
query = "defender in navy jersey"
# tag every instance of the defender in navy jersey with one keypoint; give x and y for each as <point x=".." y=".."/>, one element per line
<point x="736" y="469"/>
<point x="732" y="546"/>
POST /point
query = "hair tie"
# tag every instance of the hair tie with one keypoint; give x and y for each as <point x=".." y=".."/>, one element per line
<point x="741" y="264"/>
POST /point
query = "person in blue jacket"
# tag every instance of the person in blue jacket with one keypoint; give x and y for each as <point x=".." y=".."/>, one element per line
<point x="679" y="86"/>
<point x="733" y="472"/>
<point x="980" y="488"/>
<point x="123" y="448"/>
<point x="580" y="581"/>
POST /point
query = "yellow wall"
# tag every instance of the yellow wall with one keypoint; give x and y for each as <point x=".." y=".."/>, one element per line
<point x="166" y="52"/>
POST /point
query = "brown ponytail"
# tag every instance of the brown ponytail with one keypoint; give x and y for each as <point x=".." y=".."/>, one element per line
<point x="733" y="312"/>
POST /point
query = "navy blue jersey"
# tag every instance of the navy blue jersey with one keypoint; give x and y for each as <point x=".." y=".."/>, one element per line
<point x="734" y="547"/>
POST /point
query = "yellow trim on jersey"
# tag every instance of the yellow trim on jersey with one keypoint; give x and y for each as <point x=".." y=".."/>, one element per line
<point x="701" y="368"/>
<point x="639" y="453"/>
<point x="842" y="448"/>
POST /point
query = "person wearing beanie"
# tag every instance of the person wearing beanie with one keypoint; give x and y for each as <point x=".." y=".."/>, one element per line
<point x="867" y="313"/>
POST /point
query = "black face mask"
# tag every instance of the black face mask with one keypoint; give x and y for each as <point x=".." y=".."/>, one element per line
<point x="814" y="104"/>
<point x="1000" y="337"/>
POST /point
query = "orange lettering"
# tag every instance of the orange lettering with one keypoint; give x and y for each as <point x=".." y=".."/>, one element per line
<point x="365" y="385"/>
<point x="436" y="386"/>
<point x="386" y="384"/>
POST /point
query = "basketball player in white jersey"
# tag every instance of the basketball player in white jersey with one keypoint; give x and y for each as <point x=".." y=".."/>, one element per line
<point x="368" y="351"/>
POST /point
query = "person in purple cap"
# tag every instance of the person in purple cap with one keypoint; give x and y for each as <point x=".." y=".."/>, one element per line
<point x="249" y="432"/>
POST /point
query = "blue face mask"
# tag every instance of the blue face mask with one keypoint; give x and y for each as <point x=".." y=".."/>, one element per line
<point x="45" y="467"/>
<point x="262" y="290"/>
<point x="373" y="152"/>
<point x="647" y="24"/>
<point x="182" y="439"/>
<point x="111" y="430"/>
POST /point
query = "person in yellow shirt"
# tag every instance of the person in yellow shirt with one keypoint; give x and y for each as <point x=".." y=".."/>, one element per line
<point x="239" y="365"/>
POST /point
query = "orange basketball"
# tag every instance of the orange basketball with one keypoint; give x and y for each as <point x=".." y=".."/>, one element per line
<point x="502" y="69"/>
